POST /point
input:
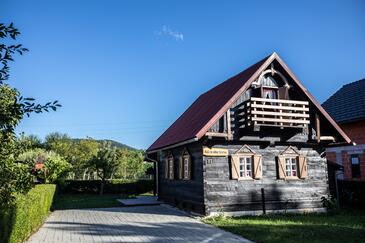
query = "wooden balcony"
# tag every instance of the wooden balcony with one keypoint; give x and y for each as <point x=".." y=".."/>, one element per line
<point x="277" y="113"/>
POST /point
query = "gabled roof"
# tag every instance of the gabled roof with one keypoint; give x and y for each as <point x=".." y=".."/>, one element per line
<point x="348" y="103"/>
<point x="210" y="106"/>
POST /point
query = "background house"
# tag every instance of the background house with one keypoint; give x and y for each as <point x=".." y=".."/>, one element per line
<point x="347" y="107"/>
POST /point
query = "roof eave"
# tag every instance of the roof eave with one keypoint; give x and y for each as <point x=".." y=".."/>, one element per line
<point x="154" y="150"/>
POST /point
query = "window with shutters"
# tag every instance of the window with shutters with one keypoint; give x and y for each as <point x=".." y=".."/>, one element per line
<point x="169" y="167"/>
<point x="185" y="166"/>
<point x="292" y="164"/>
<point x="246" y="164"/>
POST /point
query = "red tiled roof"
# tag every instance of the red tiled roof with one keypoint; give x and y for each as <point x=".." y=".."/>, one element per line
<point x="210" y="106"/>
<point x="197" y="119"/>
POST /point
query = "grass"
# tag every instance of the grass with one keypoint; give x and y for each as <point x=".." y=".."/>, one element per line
<point x="345" y="226"/>
<point x="76" y="201"/>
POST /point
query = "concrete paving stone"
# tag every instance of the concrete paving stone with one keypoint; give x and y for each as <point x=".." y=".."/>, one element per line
<point x="159" y="223"/>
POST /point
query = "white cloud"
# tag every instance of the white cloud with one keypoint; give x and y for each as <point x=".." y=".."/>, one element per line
<point x="178" y="36"/>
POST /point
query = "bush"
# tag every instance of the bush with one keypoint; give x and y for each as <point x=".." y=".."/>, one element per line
<point x="29" y="211"/>
<point x="55" y="167"/>
<point x="352" y="193"/>
<point x="111" y="186"/>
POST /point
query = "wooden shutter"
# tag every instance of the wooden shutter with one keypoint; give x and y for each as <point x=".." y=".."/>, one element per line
<point x="283" y="93"/>
<point x="172" y="172"/>
<point x="189" y="169"/>
<point x="181" y="167"/>
<point x="302" y="162"/>
<point x="166" y="168"/>
<point x="235" y="168"/>
<point x="281" y="167"/>
<point x="257" y="166"/>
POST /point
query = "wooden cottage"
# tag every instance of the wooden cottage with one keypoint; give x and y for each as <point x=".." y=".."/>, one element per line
<point x="253" y="143"/>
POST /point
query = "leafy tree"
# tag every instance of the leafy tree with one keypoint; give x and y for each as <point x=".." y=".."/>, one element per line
<point x="105" y="163"/>
<point x="27" y="142"/>
<point x="55" y="167"/>
<point x="132" y="165"/>
<point x="76" y="152"/>
<point x="14" y="176"/>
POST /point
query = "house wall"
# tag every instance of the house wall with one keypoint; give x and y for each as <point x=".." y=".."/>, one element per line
<point x="342" y="155"/>
<point x="186" y="194"/>
<point x="223" y="194"/>
<point x="355" y="130"/>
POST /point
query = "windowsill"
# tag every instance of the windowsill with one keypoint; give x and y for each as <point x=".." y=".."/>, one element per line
<point x="292" y="178"/>
<point x="245" y="179"/>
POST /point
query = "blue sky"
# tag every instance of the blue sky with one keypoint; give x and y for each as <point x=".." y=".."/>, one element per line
<point x="125" y="70"/>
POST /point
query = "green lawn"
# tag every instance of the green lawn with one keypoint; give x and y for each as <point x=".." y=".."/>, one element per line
<point x="346" y="226"/>
<point x="72" y="201"/>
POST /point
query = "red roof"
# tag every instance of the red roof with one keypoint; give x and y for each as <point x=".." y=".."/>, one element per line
<point x="193" y="122"/>
<point x="210" y="106"/>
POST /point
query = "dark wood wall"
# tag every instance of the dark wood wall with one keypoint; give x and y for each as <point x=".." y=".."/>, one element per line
<point x="221" y="193"/>
<point x="186" y="194"/>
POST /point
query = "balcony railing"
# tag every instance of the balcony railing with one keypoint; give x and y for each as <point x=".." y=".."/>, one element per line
<point x="277" y="113"/>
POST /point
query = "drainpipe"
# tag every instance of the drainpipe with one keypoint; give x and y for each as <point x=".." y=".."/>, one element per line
<point x="155" y="176"/>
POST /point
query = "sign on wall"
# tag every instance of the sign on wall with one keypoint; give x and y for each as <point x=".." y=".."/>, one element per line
<point x="215" y="152"/>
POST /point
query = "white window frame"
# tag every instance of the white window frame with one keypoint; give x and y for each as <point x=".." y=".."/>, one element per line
<point x="186" y="167"/>
<point x="246" y="159"/>
<point x="170" y="161"/>
<point x="291" y="173"/>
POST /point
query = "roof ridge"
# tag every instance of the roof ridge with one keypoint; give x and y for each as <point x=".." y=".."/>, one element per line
<point x="342" y="87"/>
<point x="354" y="82"/>
<point x="238" y="74"/>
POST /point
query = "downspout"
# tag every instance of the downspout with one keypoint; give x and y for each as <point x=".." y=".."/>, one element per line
<point x="155" y="167"/>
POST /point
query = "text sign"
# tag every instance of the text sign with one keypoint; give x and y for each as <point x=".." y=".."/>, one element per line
<point x="215" y="152"/>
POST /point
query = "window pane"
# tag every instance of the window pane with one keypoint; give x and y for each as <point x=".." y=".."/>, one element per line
<point x="355" y="160"/>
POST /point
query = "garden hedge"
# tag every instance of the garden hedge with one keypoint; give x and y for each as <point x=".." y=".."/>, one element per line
<point x="111" y="186"/>
<point x="29" y="212"/>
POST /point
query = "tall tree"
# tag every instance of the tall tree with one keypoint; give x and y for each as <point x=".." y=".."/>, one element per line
<point x="14" y="176"/>
<point x="76" y="151"/>
<point x="105" y="163"/>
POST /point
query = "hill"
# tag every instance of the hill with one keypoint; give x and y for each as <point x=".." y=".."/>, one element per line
<point x="113" y="142"/>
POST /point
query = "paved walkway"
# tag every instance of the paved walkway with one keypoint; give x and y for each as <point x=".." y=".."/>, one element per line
<point x="128" y="224"/>
<point x="140" y="201"/>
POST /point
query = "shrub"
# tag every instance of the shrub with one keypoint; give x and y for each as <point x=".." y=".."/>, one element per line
<point x="352" y="193"/>
<point x="55" y="167"/>
<point x="111" y="186"/>
<point x="29" y="211"/>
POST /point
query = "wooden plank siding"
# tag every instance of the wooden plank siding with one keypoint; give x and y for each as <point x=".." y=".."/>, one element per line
<point x="223" y="194"/>
<point x="186" y="194"/>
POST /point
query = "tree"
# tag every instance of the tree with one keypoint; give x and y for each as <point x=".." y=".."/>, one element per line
<point x="26" y="142"/>
<point x="76" y="151"/>
<point x="14" y="176"/>
<point x="105" y="163"/>
<point x="55" y="168"/>
<point x="132" y="164"/>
